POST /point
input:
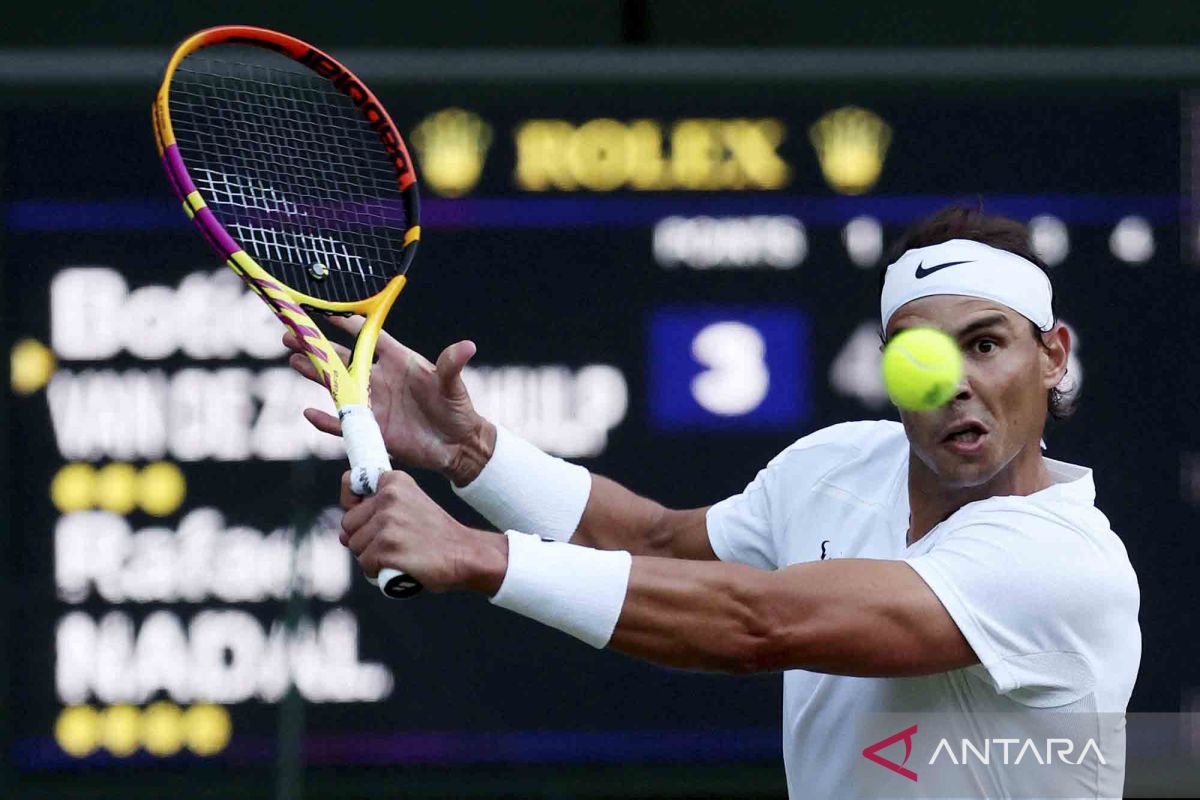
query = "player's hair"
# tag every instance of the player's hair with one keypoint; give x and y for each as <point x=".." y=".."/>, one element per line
<point x="965" y="222"/>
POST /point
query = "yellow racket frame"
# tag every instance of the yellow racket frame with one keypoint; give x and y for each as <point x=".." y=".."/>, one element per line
<point x="347" y="383"/>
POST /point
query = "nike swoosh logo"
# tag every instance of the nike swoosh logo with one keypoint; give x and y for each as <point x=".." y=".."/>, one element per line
<point x="922" y="272"/>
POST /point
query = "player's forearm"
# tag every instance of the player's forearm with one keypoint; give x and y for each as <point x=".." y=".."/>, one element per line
<point x="849" y="617"/>
<point x="618" y="519"/>
<point x="679" y="613"/>
<point x="707" y="616"/>
<point x="516" y="486"/>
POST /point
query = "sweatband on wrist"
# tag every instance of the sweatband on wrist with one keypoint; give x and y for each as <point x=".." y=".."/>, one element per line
<point x="970" y="269"/>
<point x="522" y="488"/>
<point x="575" y="589"/>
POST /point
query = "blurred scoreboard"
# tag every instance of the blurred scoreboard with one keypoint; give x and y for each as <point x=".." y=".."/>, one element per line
<point x="669" y="284"/>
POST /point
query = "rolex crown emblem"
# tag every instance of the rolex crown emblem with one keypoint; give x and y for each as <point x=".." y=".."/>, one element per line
<point x="453" y="144"/>
<point x="851" y="144"/>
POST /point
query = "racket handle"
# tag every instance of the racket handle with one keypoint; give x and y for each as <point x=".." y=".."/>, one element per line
<point x="396" y="585"/>
<point x="368" y="461"/>
<point x="364" y="447"/>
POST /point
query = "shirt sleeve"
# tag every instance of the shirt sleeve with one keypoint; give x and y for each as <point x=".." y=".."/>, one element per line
<point x="1027" y="594"/>
<point x="739" y="527"/>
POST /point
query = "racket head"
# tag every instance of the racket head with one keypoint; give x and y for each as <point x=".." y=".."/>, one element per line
<point x="297" y="177"/>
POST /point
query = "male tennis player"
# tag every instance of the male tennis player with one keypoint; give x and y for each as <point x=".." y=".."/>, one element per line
<point x="941" y="564"/>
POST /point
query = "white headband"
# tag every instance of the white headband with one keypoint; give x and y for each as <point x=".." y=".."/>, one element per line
<point x="971" y="269"/>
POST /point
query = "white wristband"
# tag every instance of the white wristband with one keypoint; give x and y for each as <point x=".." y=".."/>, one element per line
<point x="522" y="488"/>
<point x="575" y="589"/>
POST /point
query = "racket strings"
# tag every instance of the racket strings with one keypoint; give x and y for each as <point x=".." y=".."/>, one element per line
<point x="292" y="170"/>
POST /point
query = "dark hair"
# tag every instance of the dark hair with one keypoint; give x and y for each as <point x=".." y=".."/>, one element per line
<point x="964" y="222"/>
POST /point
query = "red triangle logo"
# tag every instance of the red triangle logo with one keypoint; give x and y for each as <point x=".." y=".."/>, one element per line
<point x="872" y="753"/>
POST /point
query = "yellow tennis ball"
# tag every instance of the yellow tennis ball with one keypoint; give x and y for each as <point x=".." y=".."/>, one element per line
<point x="922" y="368"/>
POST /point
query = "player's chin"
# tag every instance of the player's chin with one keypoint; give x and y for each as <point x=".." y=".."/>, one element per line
<point x="964" y="465"/>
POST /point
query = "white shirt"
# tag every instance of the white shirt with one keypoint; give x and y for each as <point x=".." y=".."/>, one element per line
<point x="1039" y="585"/>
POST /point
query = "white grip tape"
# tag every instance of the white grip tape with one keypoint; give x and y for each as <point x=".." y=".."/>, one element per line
<point x="575" y="589"/>
<point x="364" y="447"/>
<point x="368" y="461"/>
<point x="522" y="488"/>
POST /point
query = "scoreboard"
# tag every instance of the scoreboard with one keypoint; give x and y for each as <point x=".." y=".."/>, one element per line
<point x="668" y="283"/>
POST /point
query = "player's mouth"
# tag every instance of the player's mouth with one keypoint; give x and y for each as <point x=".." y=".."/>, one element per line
<point x="965" y="437"/>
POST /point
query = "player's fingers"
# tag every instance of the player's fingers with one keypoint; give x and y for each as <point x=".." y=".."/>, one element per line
<point x="392" y="350"/>
<point x="351" y="324"/>
<point x="300" y="362"/>
<point x="451" y="362"/>
<point x="346" y="498"/>
<point x="303" y="364"/>
<point x="369" y="558"/>
<point x="366" y="538"/>
<point x="350" y="501"/>
<point x="326" y="423"/>
<point x="291" y="341"/>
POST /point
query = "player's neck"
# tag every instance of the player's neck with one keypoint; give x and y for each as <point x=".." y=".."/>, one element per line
<point x="931" y="501"/>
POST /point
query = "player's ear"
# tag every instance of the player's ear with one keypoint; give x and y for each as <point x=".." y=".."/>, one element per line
<point x="1054" y="352"/>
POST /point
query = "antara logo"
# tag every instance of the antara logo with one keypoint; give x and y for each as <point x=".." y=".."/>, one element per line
<point x="1008" y="751"/>
<point x="872" y="752"/>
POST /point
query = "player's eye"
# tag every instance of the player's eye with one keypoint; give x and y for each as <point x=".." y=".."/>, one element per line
<point x="984" y="346"/>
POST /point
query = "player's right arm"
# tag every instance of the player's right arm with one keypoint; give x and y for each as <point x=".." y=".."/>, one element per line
<point x="428" y="421"/>
<point x="617" y="519"/>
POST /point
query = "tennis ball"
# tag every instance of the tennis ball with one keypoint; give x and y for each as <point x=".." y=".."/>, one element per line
<point x="921" y="369"/>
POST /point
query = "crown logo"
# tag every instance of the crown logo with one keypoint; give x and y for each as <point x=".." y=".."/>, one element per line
<point x="453" y="144"/>
<point x="851" y="143"/>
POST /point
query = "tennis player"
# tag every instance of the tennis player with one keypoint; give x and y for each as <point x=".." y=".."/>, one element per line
<point x="938" y="563"/>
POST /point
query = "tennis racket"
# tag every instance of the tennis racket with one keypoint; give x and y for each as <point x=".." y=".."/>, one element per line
<point x="295" y="174"/>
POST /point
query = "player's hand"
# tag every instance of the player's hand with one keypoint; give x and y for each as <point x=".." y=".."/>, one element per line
<point x="402" y="528"/>
<point x="424" y="412"/>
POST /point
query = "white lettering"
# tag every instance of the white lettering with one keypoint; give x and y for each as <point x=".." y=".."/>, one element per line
<point x="98" y="551"/>
<point x="565" y="413"/>
<point x="210" y="414"/>
<point x="280" y="431"/>
<point x="1062" y="748"/>
<point x="82" y="322"/>
<point x="736" y="380"/>
<point x="1005" y="743"/>
<point x="1029" y="746"/>
<point x="943" y="745"/>
<point x="1091" y="745"/>
<point x="224" y="656"/>
<point x="211" y="315"/>
<point x="228" y="414"/>
<point x="778" y="242"/>
<point x="983" y="757"/>
<point x="855" y="369"/>
<point x="100" y="413"/>
<point x="156" y="657"/>
<point x="1067" y="747"/>
<point x="225" y="650"/>
<point x="863" y="237"/>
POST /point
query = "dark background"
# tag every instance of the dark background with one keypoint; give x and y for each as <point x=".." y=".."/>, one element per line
<point x="1094" y="137"/>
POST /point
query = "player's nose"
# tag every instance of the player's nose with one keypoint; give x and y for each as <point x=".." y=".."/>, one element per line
<point x="964" y="387"/>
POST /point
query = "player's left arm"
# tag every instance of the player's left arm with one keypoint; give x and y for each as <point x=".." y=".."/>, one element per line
<point x="845" y="616"/>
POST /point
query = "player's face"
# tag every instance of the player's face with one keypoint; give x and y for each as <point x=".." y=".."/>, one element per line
<point x="1000" y="408"/>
